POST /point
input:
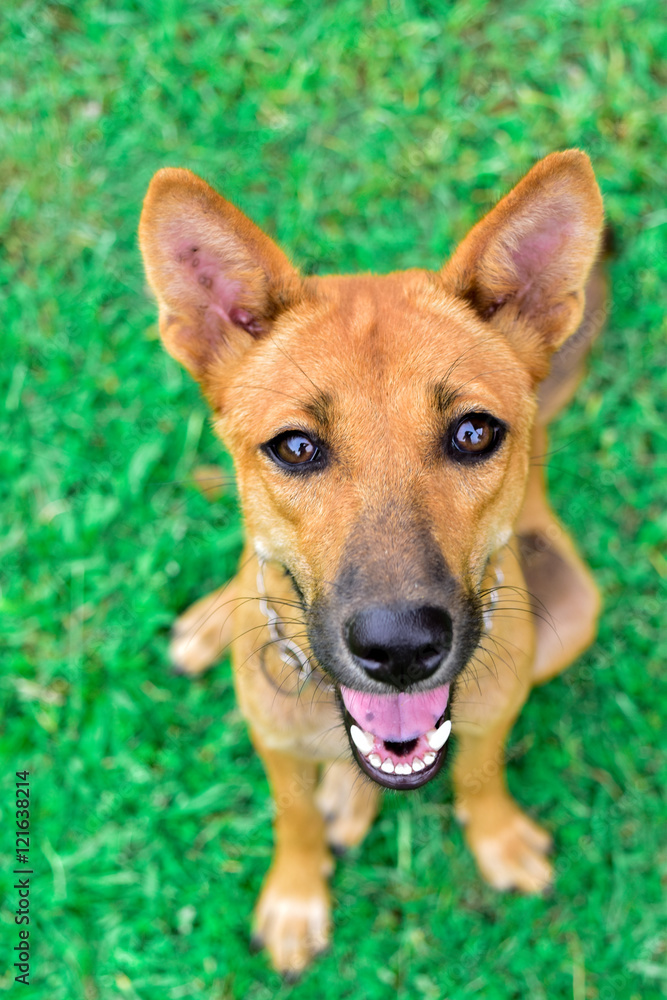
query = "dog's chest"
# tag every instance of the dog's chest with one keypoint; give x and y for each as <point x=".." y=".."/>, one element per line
<point x="287" y="712"/>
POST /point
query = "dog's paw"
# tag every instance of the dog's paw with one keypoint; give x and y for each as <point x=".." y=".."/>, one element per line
<point x="292" y="919"/>
<point x="511" y="851"/>
<point x="348" y="802"/>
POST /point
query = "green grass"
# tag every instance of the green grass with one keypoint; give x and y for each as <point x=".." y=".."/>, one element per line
<point x="362" y="136"/>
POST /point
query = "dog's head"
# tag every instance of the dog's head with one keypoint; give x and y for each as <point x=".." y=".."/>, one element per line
<point x="380" y="426"/>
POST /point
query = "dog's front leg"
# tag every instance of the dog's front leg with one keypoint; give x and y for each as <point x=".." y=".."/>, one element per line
<point x="292" y="914"/>
<point x="510" y="849"/>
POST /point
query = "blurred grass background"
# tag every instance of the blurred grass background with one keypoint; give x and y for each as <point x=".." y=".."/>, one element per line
<point x="361" y="136"/>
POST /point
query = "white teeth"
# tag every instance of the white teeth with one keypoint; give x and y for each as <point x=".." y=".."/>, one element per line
<point x="403" y="769"/>
<point x="375" y="759"/>
<point x="429" y="758"/>
<point x="365" y="741"/>
<point x="387" y="766"/>
<point x="436" y="738"/>
<point x="418" y="764"/>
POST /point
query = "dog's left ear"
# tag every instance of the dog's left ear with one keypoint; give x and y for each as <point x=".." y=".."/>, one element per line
<point x="219" y="280"/>
<point x="523" y="268"/>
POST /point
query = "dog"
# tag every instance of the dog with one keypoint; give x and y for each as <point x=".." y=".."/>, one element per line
<point x="404" y="575"/>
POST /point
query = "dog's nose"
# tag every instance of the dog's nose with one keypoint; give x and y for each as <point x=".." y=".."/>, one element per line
<point x="400" y="645"/>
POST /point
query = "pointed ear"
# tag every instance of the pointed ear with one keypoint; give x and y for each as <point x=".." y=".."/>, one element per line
<point x="218" y="279"/>
<point x="523" y="268"/>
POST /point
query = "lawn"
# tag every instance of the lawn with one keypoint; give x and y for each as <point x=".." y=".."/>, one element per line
<point x="362" y="136"/>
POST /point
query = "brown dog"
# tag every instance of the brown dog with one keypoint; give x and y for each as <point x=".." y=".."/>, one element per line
<point x="404" y="574"/>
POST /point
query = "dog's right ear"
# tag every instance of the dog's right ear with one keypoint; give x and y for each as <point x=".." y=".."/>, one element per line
<point x="219" y="280"/>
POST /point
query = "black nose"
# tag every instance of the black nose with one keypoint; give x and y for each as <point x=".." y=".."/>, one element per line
<point x="400" y="645"/>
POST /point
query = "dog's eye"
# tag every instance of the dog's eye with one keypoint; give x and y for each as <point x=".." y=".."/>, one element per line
<point x="294" y="448"/>
<point x="475" y="436"/>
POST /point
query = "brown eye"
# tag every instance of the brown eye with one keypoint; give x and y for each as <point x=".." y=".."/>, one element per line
<point x="294" y="449"/>
<point x="474" y="436"/>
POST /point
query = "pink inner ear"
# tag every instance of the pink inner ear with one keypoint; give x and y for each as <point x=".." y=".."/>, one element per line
<point x="540" y="248"/>
<point x="221" y="292"/>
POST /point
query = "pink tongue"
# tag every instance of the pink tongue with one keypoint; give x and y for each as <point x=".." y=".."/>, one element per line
<point x="396" y="717"/>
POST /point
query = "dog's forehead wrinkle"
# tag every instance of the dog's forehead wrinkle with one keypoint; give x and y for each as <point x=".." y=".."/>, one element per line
<point x="387" y="329"/>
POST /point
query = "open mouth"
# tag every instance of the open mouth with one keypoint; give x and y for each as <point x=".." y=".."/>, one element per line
<point x="399" y="740"/>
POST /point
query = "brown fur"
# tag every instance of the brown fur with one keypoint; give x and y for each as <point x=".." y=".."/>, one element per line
<point x="378" y="367"/>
